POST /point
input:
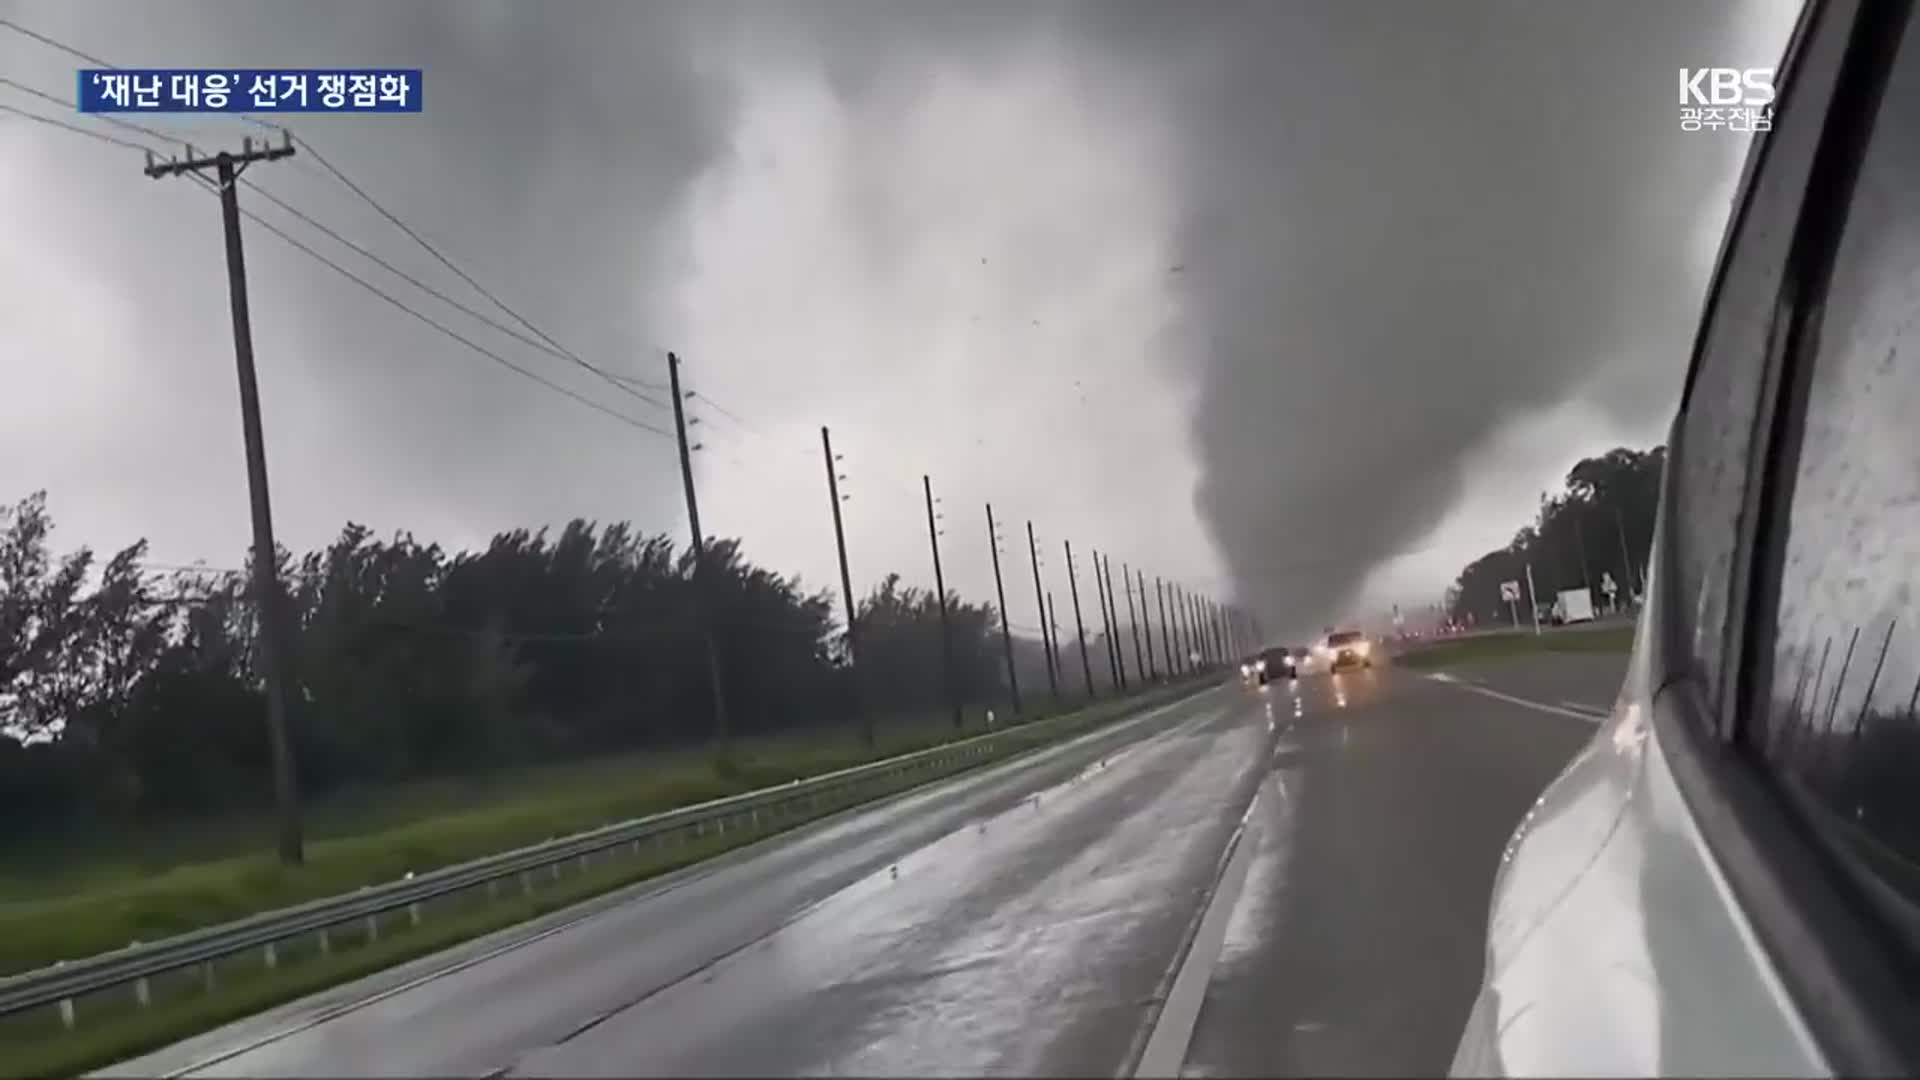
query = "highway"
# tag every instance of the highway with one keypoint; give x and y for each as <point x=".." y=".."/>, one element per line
<point x="1289" y="881"/>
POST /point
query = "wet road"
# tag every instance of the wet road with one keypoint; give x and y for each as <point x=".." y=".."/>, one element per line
<point x="1355" y="946"/>
<point x="1031" y="919"/>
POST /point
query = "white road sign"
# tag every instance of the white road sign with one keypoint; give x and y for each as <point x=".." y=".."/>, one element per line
<point x="1510" y="591"/>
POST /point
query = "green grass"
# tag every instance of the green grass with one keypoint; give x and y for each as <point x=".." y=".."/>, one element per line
<point x="111" y="1027"/>
<point x="145" y="883"/>
<point x="1446" y="654"/>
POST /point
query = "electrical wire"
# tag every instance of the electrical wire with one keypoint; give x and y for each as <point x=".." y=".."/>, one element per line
<point x="75" y="128"/>
<point x="429" y="320"/>
<point x="412" y="234"/>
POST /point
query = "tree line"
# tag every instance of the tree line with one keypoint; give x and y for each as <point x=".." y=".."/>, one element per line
<point x="126" y="689"/>
<point x="1599" y="523"/>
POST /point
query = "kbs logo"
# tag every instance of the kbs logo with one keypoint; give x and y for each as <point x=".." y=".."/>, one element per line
<point x="1731" y="99"/>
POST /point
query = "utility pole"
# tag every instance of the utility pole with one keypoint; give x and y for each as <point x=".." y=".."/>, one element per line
<point x="846" y="585"/>
<point x="1182" y="638"/>
<point x="1166" y="628"/>
<point x="940" y="583"/>
<point x="1006" y="632"/>
<point x="1079" y="626"/>
<point x="1106" y="627"/>
<point x="1146" y="619"/>
<point x="1206" y="635"/>
<point x="702" y="575"/>
<point x="1626" y="553"/>
<point x="1053" y="634"/>
<point x="275" y="649"/>
<point x="1046" y="617"/>
<point x="1580" y="545"/>
<point x="1179" y="629"/>
<point x="1533" y="599"/>
<point x="1133" y="622"/>
<point x="1103" y="578"/>
<point x="1210" y="610"/>
<point x="1198" y="647"/>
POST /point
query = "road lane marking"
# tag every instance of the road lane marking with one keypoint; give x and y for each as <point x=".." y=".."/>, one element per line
<point x="1166" y="1049"/>
<point x="1573" y="709"/>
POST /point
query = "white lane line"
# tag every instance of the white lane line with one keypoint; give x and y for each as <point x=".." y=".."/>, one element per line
<point x="1595" y="711"/>
<point x="1166" y="1050"/>
<point x="1580" y="712"/>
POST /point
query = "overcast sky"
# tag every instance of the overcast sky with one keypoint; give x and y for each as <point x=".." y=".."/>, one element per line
<point x="1300" y="303"/>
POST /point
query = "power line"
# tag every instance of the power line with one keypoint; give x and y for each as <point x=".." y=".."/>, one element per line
<point x="338" y="174"/>
<point x="75" y="128"/>
<point x="62" y="46"/>
<point x="456" y="335"/>
<point x="377" y="291"/>
<point x="626" y="383"/>
<point x="334" y="235"/>
<point x="431" y="291"/>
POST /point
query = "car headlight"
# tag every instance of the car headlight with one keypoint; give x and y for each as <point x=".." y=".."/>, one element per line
<point x="1260" y="665"/>
<point x="1245" y="670"/>
<point x="1363" y="647"/>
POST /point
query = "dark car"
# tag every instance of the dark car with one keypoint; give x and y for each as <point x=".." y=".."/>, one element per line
<point x="1275" y="663"/>
<point x="1727" y="880"/>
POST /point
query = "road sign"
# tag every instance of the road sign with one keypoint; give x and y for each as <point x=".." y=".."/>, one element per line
<point x="1510" y="591"/>
<point x="1606" y="584"/>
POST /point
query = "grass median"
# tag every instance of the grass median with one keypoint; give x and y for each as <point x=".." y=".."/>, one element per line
<point x="1447" y="654"/>
<point x="112" y="1026"/>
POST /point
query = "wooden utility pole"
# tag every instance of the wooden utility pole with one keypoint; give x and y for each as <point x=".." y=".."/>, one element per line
<point x="275" y="649"/>
<point x="1046" y="618"/>
<point x="940" y="585"/>
<point x="702" y="577"/>
<point x="1006" y="631"/>
<point x="1079" y="625"/>
<point x="846" y="585"/>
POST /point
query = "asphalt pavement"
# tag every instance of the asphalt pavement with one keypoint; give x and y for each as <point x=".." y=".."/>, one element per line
<point x="1356" y="945"/>
<point x="1288" y="881"/>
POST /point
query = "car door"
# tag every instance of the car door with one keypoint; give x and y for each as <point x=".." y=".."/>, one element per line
<point x="1801" y="769"/>
<point x="1668" y="908"/>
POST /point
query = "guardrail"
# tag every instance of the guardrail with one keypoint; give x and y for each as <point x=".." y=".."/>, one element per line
<point x="138" y="963"/>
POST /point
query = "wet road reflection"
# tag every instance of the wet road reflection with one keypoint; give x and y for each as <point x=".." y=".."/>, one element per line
<point x="1032" y="943"/>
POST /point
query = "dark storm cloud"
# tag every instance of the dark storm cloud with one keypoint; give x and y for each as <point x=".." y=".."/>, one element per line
<point x="1407" y="224"/>
<point x="550" y="161"/>
<point x="1398" y="226"/>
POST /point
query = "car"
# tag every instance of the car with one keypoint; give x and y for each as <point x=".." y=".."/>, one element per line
<point x="1277" y="663"/>
<point x="1343" y="649"/>
<point x="1726" y="879"/>
<point x="1267" y="665"/>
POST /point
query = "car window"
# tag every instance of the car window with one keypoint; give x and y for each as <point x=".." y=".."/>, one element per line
<point x="1840" y="716"/>
<point x="1345" y="637"/>
<point x="1708" y="476"/>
